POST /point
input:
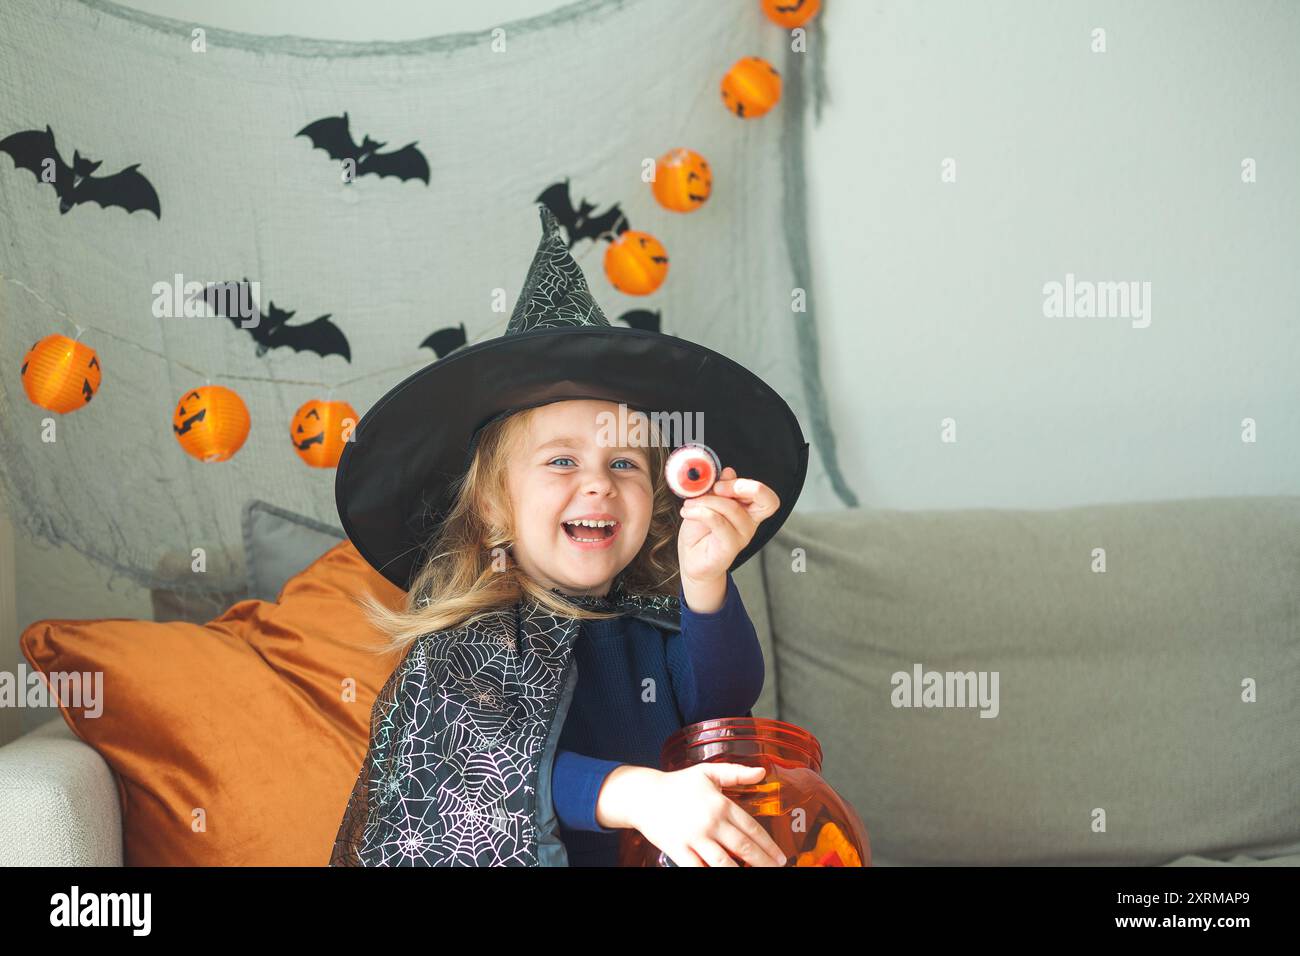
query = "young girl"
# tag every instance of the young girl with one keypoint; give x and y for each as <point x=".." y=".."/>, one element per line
<point x="566" y="613"/>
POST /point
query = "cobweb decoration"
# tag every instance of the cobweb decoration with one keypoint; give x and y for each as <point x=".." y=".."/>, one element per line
<point x="390" y="261"/>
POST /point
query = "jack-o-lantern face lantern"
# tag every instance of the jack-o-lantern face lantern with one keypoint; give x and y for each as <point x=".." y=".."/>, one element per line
<point x="683" y="180"/>
<point x="211" y="423"/>
<point x="791" y="13"/>
<point x="751" y="87"/>
<point x="319" y="430"/>
<point x="636" y="263"/>
<point x="60" y="374"/>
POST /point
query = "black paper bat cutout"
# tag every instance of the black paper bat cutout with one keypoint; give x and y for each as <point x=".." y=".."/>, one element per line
<point x="445" y="340"/>
<point x="272" y="330"/>
<point x="642" y="319"/>
<point x="580" y="223"/>
<point x="75" y="184"/>
<point x="332" y="135"/>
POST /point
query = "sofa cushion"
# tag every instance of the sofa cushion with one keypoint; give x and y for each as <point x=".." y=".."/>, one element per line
<point x="749" y="583"/>
<point x="237" y="742"/>
<point x="1118" y="691"/>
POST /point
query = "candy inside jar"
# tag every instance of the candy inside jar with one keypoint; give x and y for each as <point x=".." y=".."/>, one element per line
<point x="692" y="469"/>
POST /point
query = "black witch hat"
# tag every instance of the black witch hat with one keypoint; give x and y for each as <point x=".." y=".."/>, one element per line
<point x="393" y="482"/>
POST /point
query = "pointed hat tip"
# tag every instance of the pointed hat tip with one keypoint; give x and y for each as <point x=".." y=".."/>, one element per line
<point x="555" y="291"/>
<point x="550" y="225"/>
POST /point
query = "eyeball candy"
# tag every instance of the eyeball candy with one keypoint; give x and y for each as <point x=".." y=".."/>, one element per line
<point x="692" y="469"/>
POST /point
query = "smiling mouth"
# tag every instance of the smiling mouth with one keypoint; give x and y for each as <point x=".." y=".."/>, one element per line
<point x="586" y="535"/>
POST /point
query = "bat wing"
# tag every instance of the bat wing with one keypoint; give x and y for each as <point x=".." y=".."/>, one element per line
<point x="613" y="221"/>
<point x="128" y="189"/>
<point x="30" y="148"/>
<point x="405" y="163"/>
<point x="332" y="135"/>
<point x="642" y="319"/>
<point x="319" y="335"/>
<point x="226" y="299"/>
<point x="556" y="198"/>
<point x="445" y="340"/>
<point x="219" y="296"/>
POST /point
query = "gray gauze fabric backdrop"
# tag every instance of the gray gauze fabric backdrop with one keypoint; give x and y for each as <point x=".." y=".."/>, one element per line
<point x="585" y="93"/>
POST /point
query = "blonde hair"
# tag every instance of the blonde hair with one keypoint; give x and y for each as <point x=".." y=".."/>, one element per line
<point x="458" y="584"/>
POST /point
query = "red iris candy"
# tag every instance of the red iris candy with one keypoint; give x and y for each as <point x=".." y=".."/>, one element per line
<point x="692" y="469"/>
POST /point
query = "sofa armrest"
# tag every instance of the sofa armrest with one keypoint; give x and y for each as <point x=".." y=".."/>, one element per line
<point x="59" y="804"/>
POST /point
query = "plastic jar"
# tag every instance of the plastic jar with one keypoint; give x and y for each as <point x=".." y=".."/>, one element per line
<point x="807" y="819"/>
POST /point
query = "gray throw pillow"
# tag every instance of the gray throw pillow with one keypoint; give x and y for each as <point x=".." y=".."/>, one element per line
<point x="278" y="544"/>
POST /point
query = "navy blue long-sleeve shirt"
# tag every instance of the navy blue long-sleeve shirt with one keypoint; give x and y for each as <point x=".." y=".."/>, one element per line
<point x="637" y="685"/>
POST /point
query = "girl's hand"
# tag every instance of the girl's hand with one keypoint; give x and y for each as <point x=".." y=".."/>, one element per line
<point x="719" y="525"/>
<point x="687" y="816"/>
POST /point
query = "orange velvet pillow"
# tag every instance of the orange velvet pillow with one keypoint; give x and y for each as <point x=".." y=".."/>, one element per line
<point x="244" y="718"/>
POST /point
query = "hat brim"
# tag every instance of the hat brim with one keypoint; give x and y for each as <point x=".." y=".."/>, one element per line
<point x="393" y="480"/>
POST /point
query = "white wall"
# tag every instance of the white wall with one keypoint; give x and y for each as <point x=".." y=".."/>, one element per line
<point x="1113" y="166"/>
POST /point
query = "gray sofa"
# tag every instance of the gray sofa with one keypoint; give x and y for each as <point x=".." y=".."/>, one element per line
<point x="1144" y="712"/>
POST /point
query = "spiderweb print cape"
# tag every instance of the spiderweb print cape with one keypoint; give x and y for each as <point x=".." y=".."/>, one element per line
<point x="462" y="740"/>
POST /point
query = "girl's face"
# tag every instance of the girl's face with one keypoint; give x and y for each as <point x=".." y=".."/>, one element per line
<point x="561" y="472"/>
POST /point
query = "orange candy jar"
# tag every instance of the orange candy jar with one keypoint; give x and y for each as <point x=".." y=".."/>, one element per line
<point x="809" y="821"/>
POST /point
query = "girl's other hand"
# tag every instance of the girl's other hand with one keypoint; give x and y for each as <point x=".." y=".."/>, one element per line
<point x="687" y="816"/>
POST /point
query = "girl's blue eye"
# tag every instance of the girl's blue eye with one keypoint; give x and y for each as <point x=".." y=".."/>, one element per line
<point x="567" y="458"/>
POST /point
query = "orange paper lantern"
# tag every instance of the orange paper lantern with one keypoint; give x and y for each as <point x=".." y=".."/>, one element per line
<point x="751" y="87"/>
<point x="636" y="263"/>
<point x="791" y="13"/>
<point x="211" y="422"/>
<point x="319" y="429"/>
<point x="60" y="374"/>
<point x="683" y="180"/>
